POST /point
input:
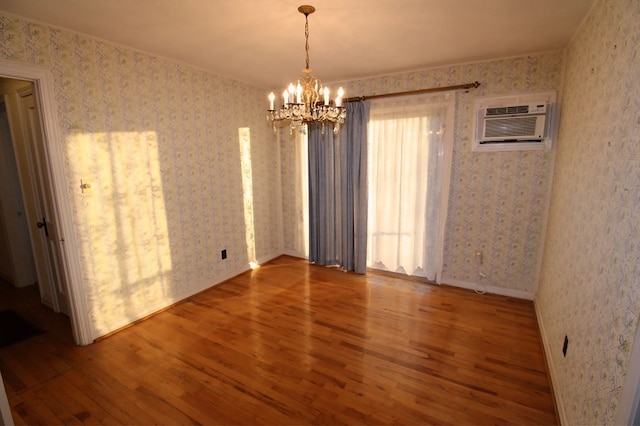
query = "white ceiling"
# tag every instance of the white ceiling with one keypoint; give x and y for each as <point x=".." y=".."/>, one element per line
<point x="261" y="42"/>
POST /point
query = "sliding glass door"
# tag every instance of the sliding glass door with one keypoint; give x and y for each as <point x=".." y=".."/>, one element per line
<point x="409" y="156"/>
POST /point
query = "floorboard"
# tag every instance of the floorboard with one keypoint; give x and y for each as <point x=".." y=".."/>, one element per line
<point x="290" y="343"/>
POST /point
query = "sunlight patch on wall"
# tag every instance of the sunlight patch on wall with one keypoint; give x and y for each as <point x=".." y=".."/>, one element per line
<point x="244" y="136"/>
<point x="125" y="238"/>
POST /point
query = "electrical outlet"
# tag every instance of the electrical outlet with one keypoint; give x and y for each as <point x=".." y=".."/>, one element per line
<point x="565" y="346"/>
<point x="224" y="254"/>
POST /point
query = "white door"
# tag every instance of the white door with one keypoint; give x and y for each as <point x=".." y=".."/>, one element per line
<point x="36" y="186"/>
<point x="5" y="410"/>
<point x="16" y="255"/>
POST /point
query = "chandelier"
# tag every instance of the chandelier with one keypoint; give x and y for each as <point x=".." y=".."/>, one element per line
<point x="307" y="101"/>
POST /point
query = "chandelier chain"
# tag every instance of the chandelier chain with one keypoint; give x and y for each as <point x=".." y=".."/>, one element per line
<point x="306" y="37"/>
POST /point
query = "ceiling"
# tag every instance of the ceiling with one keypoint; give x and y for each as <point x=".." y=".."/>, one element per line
<point x="261" y="42"/>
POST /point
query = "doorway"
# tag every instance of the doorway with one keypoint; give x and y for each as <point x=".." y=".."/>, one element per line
<point x="70" y="259"/>
<point x="27" y="267"/>
<point x="16" y="259"/>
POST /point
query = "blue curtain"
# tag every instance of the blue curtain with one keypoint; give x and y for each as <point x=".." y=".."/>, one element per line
<point x="338" y="192"/>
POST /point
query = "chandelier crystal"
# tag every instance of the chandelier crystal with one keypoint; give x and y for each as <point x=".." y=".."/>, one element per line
<point x="308" y="100"/>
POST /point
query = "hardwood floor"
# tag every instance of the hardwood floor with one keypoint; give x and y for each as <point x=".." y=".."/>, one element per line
<point x="293" y="343"/>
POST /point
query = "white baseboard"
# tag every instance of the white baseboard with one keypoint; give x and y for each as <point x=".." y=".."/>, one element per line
<point x="294" y="253"/>
<point x="518" y="294"/>
<point x="197" y="288"/>
<point x="269" y="257"/>
<point x="562" y="413"/>
<point x="553" y="376"/>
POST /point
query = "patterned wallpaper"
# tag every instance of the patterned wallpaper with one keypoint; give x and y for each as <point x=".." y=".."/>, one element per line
<point x="159" y="143"/>
<point x="497" y="201"/>
<point x="590" y="280"/>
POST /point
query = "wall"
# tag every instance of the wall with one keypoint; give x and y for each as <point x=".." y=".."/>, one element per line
<point x="590" y="280"/>
<point x="498" y="201"/>
<point x="293" y="240"/>
<point x="159" y="143"/>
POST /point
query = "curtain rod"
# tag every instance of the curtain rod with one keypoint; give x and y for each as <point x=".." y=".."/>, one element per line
<point x="467" y="86"/>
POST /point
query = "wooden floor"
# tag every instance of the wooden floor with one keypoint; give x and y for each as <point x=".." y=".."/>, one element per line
<point x="293" y="343"/>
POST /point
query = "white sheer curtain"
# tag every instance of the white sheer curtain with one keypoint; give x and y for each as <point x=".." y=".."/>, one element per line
<point x="406" y="151"/>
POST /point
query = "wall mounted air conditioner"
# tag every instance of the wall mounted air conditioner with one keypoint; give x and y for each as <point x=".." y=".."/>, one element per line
<point x="518" y="122"/>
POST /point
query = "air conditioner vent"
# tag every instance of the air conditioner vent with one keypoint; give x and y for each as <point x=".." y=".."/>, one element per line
<point x="505" y="110"/>
<point x="512" y="127"/>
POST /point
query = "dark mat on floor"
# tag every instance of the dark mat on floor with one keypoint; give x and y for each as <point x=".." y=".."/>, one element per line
<point x="14" y="328"/>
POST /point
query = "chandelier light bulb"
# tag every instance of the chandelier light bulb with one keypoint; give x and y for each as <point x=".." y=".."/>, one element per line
<point x="292" y="91"/>
<point x="299" y="93"/>
<point x="272" y="99"/>
<point x="339" y="98"/>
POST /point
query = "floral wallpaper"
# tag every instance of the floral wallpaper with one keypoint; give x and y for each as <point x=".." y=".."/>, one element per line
<point x="164" y="147"/>
<point x="160" y="144"/>
<point x="498" y="201"/>
<point x="590" y="280"/>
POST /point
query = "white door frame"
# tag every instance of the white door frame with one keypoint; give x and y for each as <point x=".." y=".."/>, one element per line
<point x="629" y="402"/>
<point x="71" y="269"/>
<point x="5" y="409"/>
